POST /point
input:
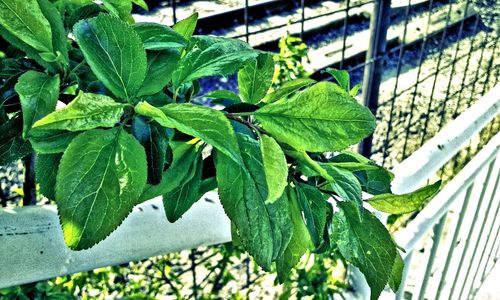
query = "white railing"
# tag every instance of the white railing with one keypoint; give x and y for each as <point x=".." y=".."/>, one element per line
<point x="32" y="246"/>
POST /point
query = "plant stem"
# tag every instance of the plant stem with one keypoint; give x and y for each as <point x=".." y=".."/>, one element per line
<point x="243" y="114"/>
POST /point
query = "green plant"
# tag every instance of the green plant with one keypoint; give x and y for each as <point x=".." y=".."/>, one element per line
<point x="130" y="131"/>
<point x="290" y="60"/>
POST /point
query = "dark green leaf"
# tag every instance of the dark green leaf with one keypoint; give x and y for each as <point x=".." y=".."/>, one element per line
<point x="120" y="8"/>
<point x="187" y="26"/>
<point x="161" y="65"/>
<point x="202" y="122"/>
<point x="46" y="172"/>
<point x="366" y="243"/>
<point x="255" y="78"/>
<point x="114" y="52"/>
<point x="287" y="89"/>
<point x="183" y="196"/>
<point x="38" y="93"/>
<point x="12" y="144"/>
<point x="320" y="118"/>
<point x="313" y="204"/>
<point x="242" y="191"/>
<point x="281" y="225"/>
<point x="345" y="184"/>
<point x="156" y="36"/>
<point x="299" y="243"/>
<point x="210" y="57"/>
<point x="84" y="12"/>
<point x="406" y="203"/>
<point x="154" y="139"/>
<point x="59" y="38"/>
<point x="86" y="111"/>
<point x="275" y="167"/>
<point x="397" y="273"/>
<point x="51" y="141"/>
<point x="100" y="179"/>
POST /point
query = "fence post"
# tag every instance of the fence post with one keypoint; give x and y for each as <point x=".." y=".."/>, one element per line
<point x="374" y="63"/>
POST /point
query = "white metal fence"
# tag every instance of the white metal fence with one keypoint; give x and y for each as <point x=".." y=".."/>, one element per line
<point x="32" y="246"/>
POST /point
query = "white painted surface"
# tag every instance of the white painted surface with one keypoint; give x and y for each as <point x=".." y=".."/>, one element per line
<point x="32" y="246"/>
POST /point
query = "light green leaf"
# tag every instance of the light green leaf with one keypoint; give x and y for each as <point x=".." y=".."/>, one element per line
<point x="59" y="36"/>
<point x="287" y="89"/>
<point x="210" y="57"/>
<point x="86" y="111"/>
<point x="183" y="196"/>
<point x="275" y="167"/>
<point x="25" y="21"/>
<point x="51" y="141"/>
<point x="281" y="225"/>
<point x="38" y="93"/>
<point x="320" y="118"/>
<point x="202" y="122"/>
<point x="223" y="94"/>
<point x="100" y="179"/>
<point x="365" y="243"/>
<point x="345" y="184"/>
<point x="406" y="203"/>
<point x="141" y="3"/>
<point x="255" y="78"/>
<point x="46" y="172"/>
<point x="156" y="36"/>
<point x="242" y="191"/>
<point x="397" y="273"/>
<point x="354" y="91"/>
<point x="114" y="52"/>
<point x="313" y="204"/>
<point x="299" y="243"/>
<point x="342" y="77"/>
<point x="161" y="65"/>
<point x="187" y="26"/>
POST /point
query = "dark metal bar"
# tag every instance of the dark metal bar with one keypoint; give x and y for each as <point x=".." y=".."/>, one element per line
<point x="303" y="17"/>
<point x="29" y="186"/>
<point x="420" y="60"/>
<point x="247" y="34"/>
<point x="469" y="236"/>
<point x="174" y="11"/>
<point x="398" y="72"/>
<point x="379" y="24"/>
<point x="453" y="244"/>
<point x="344" y="38"/>
<point x="438" y="232"/>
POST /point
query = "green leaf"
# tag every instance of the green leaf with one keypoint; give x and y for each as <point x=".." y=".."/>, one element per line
<point x="120" y="8"/>
<point x="210" y="57"/>
<point x="59" y="36"/>
<point x="281" y="225"/>
<point x="161" y="65"/>
<point x="46" y="171"/>
<point x="287" y="89"/>
<point x="184" y="155"/>
<point x="342" y="77"/>
<point x="100" y="179"/>
<point x="374" y="178"/>
<point x="183" y="196"/>
<point x="255" y="78"/>
<point x="187" y="26"/>
<point x="84" y="12"/>
<point x="406" y="203"/>
<point x="242" y="191"/>
<point x="202" y="122"/>
<point x="299" y="243"/>
<point x="114" y="52"/>
<point x="313" y="204"/>
<point x="12" y="144"/>
<point x="320" y="118"/>
<point x="275" y="167"/>
<point x="365" y="243"/>
<point x="354" y="91"/>
<point x="141" y="3"/>
<point x="345" y="184"/>
<point x="154" y="139"/>
<point x="223" y="94"/>
<point x="156" y="36"/>
<point x="86" y="111"/>
<point x="25" y="21"/>
<point x="38" y="93"/>
<point x="397" y="273"/>
<point x="51" y="141"/>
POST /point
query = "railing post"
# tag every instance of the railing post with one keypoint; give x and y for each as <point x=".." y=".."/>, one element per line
<point x="379" y="23"/>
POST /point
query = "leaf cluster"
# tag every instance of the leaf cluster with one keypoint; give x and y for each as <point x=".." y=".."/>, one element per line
<point x="111" y="109"/>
